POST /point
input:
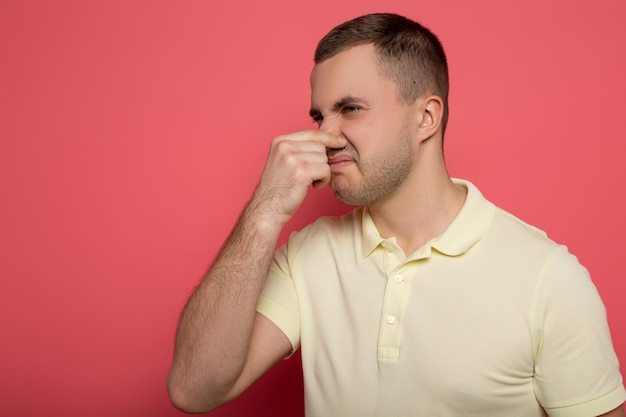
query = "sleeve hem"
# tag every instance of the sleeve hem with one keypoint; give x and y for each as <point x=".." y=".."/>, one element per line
<point x="594" y="407"/>
<point x="279" y="316"/>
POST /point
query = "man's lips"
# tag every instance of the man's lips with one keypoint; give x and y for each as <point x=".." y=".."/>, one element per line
<point x="340" y="160"/>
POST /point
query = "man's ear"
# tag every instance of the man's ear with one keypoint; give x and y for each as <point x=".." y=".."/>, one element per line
<point x="431" y="116"/>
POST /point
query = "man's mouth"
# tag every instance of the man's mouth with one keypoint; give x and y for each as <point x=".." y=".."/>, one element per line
<point x="340" y="160"/>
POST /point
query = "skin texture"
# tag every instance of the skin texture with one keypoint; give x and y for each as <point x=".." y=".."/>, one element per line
<point x="372" y="150"/>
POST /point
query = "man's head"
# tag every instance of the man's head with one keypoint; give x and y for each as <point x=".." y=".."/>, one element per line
<point x="408" y="54"/>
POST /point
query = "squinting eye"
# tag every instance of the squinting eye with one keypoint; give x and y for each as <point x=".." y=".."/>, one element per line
<point x="317" y="119"/>
<point x="351" y="109"/>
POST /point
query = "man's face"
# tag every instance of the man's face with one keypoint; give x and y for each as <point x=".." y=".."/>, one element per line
<point x="350" y="98"/>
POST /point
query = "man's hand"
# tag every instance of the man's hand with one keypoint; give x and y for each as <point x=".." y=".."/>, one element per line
<point x="295" y="162"/>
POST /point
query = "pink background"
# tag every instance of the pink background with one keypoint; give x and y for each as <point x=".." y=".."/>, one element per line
<point x="132" y="134"/>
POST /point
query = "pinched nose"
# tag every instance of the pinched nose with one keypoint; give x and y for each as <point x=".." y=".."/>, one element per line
<point x="331" y="124"/>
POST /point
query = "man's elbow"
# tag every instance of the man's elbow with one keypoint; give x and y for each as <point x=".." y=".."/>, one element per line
<point x="188" y="400"/>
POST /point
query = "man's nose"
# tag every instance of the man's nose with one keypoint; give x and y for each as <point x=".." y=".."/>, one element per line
<point x="331" y="125"/>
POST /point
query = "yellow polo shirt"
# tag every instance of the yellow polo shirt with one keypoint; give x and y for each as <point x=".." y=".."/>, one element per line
<point x="491" y="318"/>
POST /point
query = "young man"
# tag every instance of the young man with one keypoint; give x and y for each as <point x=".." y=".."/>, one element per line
<point x="426" y="300"/>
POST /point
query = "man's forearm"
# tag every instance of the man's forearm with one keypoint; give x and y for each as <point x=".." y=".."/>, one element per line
<point x="214" y="331"/>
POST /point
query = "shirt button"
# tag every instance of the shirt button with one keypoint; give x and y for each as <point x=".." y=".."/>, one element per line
<point x="398" y="279"/>
<point x="386" y="246"/>
<point x="391" y="319"/>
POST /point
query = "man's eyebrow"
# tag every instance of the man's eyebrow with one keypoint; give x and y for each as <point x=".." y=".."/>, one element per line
<point x="343" y="101"/>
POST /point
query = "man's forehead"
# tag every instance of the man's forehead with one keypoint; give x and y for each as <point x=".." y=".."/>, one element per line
<point x="349" y="56"/>
<point x="344" y="74"/>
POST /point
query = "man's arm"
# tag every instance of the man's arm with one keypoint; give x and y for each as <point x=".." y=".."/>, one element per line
<point x="222" y="344"/>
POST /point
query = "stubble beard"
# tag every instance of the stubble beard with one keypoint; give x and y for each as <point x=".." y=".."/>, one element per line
<point x="381" y="175"/>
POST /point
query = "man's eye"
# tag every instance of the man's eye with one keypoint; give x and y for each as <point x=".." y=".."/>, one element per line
<point x="350" y="109"/>
<point x="317" y="119"/>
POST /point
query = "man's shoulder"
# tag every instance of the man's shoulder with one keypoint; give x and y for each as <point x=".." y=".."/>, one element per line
<point x="326" y="236"/>
<point x="329" y="227"/>
<point x="514" y="244"/>
<point x="484" y="221"/>
<point x="510" y="233"/>
<point x="504" y="219"/>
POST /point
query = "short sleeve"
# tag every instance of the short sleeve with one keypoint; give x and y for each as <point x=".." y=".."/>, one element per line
<point x="279" y="301"/>
<point x="576" y="369"/>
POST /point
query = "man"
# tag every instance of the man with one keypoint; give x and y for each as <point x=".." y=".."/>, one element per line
<point x="426" y="300"/>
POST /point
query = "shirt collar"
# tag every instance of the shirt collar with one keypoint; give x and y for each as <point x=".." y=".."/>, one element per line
<point x="371" y="238"/>
<point x="467" y="228"/>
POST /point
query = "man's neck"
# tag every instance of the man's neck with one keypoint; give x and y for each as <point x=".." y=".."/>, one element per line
<point x="420" y="210"/>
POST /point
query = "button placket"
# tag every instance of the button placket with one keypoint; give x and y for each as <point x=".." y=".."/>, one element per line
<point x="394" y="305"/>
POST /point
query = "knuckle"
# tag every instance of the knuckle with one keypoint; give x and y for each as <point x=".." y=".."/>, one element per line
<point x="291" y="159"/>
<point x="282" y="146"/>
<point x="278" y="140"/>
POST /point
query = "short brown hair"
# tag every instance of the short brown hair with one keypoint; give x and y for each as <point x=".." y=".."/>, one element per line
<point x="408" y="53"/>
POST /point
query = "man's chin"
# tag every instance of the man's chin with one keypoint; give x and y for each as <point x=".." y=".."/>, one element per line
<point x="345" y="197"/>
